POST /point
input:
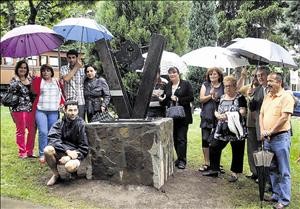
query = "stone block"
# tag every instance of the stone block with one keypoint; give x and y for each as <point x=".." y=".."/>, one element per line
<point x="131" y="151"/>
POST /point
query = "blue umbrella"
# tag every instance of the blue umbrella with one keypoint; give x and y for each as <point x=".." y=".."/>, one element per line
<point x="82" y="29"/>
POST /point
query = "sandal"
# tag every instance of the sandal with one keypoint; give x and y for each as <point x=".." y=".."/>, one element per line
<point x="204" y="168"/>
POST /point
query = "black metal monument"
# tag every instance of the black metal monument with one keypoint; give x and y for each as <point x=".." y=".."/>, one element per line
<point x="118" y="94"/>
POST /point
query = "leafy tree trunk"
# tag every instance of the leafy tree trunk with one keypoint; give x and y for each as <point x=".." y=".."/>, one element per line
<point x="12" y="16"/>
<point x="33" y="13"/>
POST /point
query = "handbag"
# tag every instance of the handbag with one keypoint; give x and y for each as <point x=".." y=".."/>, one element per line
<point x="102" y="116"/>
<point x="9" y="99"/>
<point x="175" y="112"/>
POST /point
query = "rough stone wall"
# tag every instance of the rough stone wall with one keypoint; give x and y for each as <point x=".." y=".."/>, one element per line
<point x="130" y="152"/>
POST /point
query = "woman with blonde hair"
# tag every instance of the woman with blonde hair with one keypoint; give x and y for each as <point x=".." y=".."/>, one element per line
<point x="231" y="127"/>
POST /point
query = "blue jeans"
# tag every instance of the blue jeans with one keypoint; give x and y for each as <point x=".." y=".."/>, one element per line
<point x="44" y="121"/>
<point x="280" y="174"/>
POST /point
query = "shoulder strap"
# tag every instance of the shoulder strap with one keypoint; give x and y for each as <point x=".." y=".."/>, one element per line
<point x="59" y="88"/>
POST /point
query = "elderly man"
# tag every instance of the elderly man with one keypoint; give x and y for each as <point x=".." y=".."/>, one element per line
<point x="252" y="140"/>
<point x="256" y="97"/>
<point x="274" y="121"/>
<point x="67" y="142"/>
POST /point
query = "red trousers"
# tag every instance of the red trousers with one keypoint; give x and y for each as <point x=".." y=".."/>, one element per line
<point x="25" y="120"/>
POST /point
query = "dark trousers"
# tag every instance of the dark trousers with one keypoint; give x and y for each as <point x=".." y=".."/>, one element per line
<point x="180" y="139"/>
<point x="81" y="111"/>
<point x="237" y="148"/>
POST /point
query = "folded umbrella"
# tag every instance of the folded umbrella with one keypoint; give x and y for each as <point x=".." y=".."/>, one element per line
<point x="262" y="161"/>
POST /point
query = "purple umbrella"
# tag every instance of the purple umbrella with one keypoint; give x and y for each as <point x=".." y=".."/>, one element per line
<point x="29" y="40"/>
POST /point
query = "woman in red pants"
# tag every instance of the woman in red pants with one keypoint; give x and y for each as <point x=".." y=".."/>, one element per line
<point x="22" y="113"/>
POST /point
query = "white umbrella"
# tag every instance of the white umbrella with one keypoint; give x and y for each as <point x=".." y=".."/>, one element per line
<point x="209" y="57"/>
<point x="170" y="59"/>
<point x="263" y="50"/>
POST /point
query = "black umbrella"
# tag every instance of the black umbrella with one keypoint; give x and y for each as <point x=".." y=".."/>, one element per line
<point x="262" y="160"/>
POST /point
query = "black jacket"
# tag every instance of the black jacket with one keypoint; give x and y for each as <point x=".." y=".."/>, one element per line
<point x="68" y="134"/>
<point x="184" y="92"/>
<point x="96" y="94"/>
<point x="257" y="99"/>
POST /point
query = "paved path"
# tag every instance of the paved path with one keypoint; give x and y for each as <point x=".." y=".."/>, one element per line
<point x="9" y="203"/>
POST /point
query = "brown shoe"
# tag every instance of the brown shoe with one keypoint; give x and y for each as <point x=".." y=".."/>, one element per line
<point x="279" y="206"/>
<point x="53" y="180"/>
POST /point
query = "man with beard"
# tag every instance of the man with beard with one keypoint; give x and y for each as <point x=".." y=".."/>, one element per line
<point x="67" y="142"/>
<point x="73" y="77"/>
<point x="274" y="121"/>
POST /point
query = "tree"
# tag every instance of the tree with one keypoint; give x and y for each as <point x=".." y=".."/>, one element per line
<point x="138" y="20"/>
<point x="43" y="12"/>
<point x="239" y="19"/>
<point x="291" y="24"/>
<point x="203" y="32"/>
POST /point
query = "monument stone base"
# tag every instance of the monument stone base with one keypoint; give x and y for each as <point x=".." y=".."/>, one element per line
<point x="131" y="151"/>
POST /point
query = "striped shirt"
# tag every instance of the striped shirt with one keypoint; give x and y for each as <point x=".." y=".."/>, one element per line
<point x="50" y="96"/>
<point x="73" y="89"/>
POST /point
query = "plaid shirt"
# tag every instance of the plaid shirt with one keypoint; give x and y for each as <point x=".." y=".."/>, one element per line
<point x="73" y="89"/>
<point x="50" y="96"/>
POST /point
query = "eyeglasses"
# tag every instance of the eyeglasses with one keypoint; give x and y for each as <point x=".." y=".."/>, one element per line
<point x="228" y="86"/>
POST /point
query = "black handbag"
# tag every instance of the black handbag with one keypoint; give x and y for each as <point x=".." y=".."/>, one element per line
<point x="175" y="112"/>
<point x="9" y="99"/>
<point x="102" y="116"/>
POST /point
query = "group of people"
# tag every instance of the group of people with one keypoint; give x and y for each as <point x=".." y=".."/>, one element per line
<point x="259" y="112"/>
<point x="79" y="92"/>
<point x="230" y="112"/>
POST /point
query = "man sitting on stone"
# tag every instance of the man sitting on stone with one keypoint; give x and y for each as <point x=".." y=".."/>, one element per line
<point x="67" y="142"/>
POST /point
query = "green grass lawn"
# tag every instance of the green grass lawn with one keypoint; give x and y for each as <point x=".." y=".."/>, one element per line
<point x="22" y="179"/>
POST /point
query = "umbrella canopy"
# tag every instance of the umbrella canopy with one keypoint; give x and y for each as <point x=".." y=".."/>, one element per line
<point x="262" y="160"/>
<point x="29" y="40"/>
<point x="170" y="59"/>
<point x="82" y="29"/>
<point x="209" y="57"/>
<point x="263" y="50"/>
